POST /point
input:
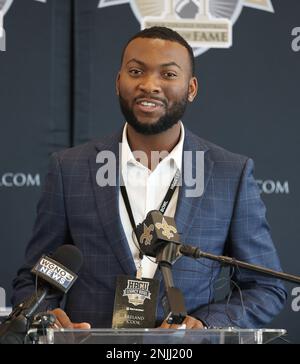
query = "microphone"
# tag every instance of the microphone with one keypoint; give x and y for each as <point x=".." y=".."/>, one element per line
<point x="158" y="237"/>
<point x="56" y="276"/>
<point x="155" y="232"/>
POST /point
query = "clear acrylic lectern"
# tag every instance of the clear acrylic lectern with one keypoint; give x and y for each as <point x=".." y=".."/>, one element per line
<point x="159" y="336"/>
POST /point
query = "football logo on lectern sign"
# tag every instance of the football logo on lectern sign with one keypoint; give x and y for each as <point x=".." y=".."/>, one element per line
<point x="204" y="24"/>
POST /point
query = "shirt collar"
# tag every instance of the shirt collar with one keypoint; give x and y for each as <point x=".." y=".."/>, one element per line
<point x="127" y="156"/>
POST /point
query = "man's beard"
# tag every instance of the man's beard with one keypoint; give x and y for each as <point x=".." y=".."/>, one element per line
<point x="165" y="122"/>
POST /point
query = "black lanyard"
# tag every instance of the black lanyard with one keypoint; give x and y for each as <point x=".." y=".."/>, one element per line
<point x="163" y="205"/>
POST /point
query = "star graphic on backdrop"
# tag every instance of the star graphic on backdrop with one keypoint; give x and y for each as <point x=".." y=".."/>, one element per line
<point x="258" y="4"/>
<point x="4" y="7"/>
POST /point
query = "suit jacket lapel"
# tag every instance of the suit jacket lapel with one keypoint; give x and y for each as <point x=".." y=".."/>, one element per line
<point x="187" y="207"/>
<point x="107" y="200"/>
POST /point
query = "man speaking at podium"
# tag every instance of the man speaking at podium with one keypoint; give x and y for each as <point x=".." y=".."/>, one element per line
<point x="155" y="83"/>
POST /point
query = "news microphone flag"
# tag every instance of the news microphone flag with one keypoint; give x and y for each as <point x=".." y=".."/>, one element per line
<point x="54" y="273"/>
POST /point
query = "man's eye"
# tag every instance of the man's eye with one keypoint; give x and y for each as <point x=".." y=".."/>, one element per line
<point x="170" y="75"/>
<point x="135" y="72"/>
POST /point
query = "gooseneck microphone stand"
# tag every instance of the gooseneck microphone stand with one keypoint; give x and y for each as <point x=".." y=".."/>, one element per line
<point x="196" y="253"/>
<point x="173" y="301"/>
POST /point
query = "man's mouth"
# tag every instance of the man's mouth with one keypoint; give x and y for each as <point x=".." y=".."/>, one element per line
<point x="149" y="105"/>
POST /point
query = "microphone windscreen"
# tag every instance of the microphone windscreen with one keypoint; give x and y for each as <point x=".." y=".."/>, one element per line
<point x="69" y="256"/>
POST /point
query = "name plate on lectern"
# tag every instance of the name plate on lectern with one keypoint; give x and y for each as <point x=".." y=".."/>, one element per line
<point x="135" y="302"/>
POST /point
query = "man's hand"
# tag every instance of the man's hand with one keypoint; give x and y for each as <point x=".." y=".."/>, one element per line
<point x="190" y="323"/>
<point x="63" y="321"/>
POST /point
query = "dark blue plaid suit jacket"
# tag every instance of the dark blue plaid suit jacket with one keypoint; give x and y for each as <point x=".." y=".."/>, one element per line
<point x="228" y="218"/>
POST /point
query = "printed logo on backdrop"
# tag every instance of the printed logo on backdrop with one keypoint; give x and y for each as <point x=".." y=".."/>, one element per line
<point x="296" y="300"/>
<point x="2" y="298"/>
<point x="296" y="39"/>
<point x="4" y="7"/>
<point x="271" y="186"/>
<point x="4" y="311"/>
<point x="204" y="24"/>
<point x="20" y="179"/>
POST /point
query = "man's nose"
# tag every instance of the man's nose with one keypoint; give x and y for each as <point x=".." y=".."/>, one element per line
<point x="150" y="84"/>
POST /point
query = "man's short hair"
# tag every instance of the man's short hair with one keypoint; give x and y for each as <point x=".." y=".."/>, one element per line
<point x="166" y="34"/>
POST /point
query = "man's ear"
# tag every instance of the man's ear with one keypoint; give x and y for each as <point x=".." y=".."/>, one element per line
<point x="117" y="83"/>
<point x="193" y="89"/>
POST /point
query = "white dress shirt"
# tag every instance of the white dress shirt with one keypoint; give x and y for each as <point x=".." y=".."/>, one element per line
<point x="146" y="190"/>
